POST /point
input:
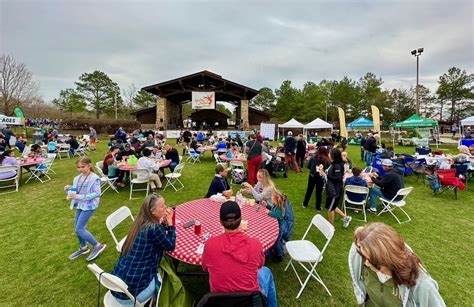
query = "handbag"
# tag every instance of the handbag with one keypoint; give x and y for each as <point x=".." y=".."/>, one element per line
<point x="132" y="160"/>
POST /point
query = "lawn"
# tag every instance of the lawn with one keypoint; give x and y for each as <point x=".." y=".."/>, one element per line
<point x="37" y="235"/>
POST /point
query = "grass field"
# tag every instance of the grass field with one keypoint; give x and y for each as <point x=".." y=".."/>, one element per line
<point x="37" y="235"/>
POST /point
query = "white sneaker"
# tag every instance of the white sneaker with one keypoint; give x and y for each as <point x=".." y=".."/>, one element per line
<point x="347" y="220"/>
<point x="373" y="211"/>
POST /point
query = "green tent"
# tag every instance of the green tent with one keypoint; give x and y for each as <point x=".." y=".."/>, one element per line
<point x="415" y="121"/>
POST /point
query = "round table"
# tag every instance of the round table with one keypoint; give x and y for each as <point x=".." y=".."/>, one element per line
<point x="206" y="211"/>
<point x="128" y="168"/>
<point x="30" y="162"/>
<point x="240" y="158"/>
<point x="207" y="148"/>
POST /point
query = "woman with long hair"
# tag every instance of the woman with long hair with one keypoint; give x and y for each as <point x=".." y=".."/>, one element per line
<point x="334" y="187"/>
<point x="253" y="148"/>
<point x="151" y="234"/>
<point x="319" y="161"/>
<point x="263" y="189"/>
<point x="386" y="272"/>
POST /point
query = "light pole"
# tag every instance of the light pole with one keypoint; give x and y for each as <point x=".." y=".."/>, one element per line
<point x="417" y="53"/>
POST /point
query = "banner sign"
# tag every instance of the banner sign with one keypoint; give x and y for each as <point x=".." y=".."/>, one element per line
<point x="342" y="123"/>
<point x="173" y="134"/>
<point x="233" y="134"/>
<point x="376" y="118"/>
<point x="203" y="100"/>
<point x="267" y="131"/>
<point x="5" y="120"/>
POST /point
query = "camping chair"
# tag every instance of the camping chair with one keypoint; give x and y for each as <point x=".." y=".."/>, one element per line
<point x="448" y="181"/>
<point x="105" y="181"/>
<point x="172" y="179"/>
<point x="304" y="251"/>
<point x="41" y="170"/>
<point x="114" y="283"/>
<point x="389" y="205"/>
<point x="116" y="218"/>
<point x="63" y="149"/>
<point x="358" y="204"/>
<point x="235" y="299"/>
<point x="141" y="177"/>
<point x="15" y="179"/>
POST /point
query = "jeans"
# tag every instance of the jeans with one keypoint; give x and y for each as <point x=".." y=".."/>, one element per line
<point x="368" y="158"/>
<point x="142" y="296"/>
<point x="319" y="183"/>
<point x="362" y="154"/>
<point x="82" y="217"/>
<point x="267" y="286"/>
<point x="373" y="193"/>
<point x="72" y="151"/>
<point x="300" y="159"/>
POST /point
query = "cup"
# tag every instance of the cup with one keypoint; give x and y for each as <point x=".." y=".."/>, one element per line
<point x="71" y="193"/>
<point x="244" y="225"/>
<point x="197" y="228"/>
<point x="252" y="202"/>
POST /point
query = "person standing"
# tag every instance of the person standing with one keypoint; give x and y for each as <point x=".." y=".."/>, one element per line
<point x="317" y="164"/>
<point x="453" y="130"/>
<point x="85" y="197"/>
<point x="92" y="138"/>
<point x="186" y="140"/>
<point x="290" y="150"/>
<point x="300" y="151"/>
<point x="7" y="134"/>
<point x="253" y="148"/>
<point x="370" y="149"/>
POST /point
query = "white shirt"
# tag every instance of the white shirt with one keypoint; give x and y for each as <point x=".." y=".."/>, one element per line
<point x="147" y="163"/>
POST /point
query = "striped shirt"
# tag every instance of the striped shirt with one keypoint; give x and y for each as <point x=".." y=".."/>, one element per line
<point x="88" y="192"/>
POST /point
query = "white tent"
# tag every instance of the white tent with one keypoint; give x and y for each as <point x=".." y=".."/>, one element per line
<point x="318" y="123"/>
<point x="468" y="121"/>
<point x="292" y="123"/>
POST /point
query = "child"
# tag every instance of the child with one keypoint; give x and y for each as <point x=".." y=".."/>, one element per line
<point x="277" y="210"/>
<point x="52" y="145"/>
<point x="85" y="195"/>
<point x="358" y="181"/>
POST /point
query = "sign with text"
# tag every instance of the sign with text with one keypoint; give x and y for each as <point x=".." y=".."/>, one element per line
<point x="5" y="120"/>
<point x="203" y="100"/>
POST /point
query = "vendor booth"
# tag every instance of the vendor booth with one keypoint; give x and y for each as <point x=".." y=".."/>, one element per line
<point x="317" y="124"/>
<point x="422" y="129"/>
<point x="467" y="122"/>
<point x="291" y="124"/>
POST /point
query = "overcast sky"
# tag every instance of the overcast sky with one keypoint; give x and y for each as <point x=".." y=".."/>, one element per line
<point x="255" y="43"/>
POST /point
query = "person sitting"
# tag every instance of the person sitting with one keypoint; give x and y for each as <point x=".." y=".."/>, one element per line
<point x="235" y="261"/>
<point x="389" y="184"/>
<point x="157" y="153"/>
<point x="357" y="181"/>
<point x="386" y="272"/>
<point x="7" y="158"/>
<point x="150" y="142"/>
<point x="151" y="234"/>
<point x="200" y="137"/>
<point x="37" y="152"/>
<point x="52" y="145"/>
<point x="115" y="172"/>
<point x="20" y="143"/>
<point x="119" y="144"/>
<point x="233" y="152"/>
<point x="263" y="189"/>
<point x="221" y="146"/>
<point x="73" y="145"/>
<point x="126" y="153"/>
<point x="111" y="142"/>
<point x="219" y="184"/>
<point x="148" y="163"/>
<point x="114" y="150"/>
<point x="194" y="145"/>
<point x="346" y="161"/>
<point x="172" y="154"/>
<point x="463" y="156"/>
<point x="387" y="153"/>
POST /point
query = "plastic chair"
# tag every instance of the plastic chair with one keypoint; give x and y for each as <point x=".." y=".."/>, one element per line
<point x="15" y="179"/>
<point x="63" y="149"/>
<point x="80" y="151"/>
<point x="389" y="205"/>
<point x="304" y="251"/>
<point x="356" y="190"/>
<point x="219" y="161"/>
<point x="193" y="156"/>
<point x="41" y="170"/>
<point x="120" y="215"/>
<point x="114" y="283"/>
<point x="172" y="179"/>
<point x="105" y="181"/>
<point x="141" y="177"/>
<point x="237" y="299"/>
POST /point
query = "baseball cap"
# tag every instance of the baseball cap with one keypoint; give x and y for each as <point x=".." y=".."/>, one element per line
<point x="290" y="133"/>
<point x="387" y="162"/>
<point x="230" y="211"/>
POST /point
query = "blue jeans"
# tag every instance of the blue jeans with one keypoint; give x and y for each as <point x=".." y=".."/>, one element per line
<point x="72" y="151"/>
<point x="368" y="158"/>
<point x="82" y="217"/>
<point x="373" y="193"/>
<point x="362" y="154"/>
<point x="267" y="286"/>
<point x="142" y="296"/>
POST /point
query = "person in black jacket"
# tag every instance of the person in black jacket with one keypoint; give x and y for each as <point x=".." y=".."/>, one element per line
<point x="389" y="184"/>
<point x="290" y="150"/>
<point x="314" y="164"/>
<point x="334" y="187"/>
<point x="300" y="151"/>
<point x="370" y="148"/>
<point x="219" y="184"/>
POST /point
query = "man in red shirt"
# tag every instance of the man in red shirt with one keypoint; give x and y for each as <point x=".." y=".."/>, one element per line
<point x="235" y="261"/>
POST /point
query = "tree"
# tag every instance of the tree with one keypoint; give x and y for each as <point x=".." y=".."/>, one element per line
<point x="455" y="87"/>
<point x="264" y="101"/>
<point x="287" y="105"/>
<point x="402" y="104"/>
<point x="70" y="101"/>
<point x="17" y="84"/>
<point x="143" y="100"/>
<point x="99" y="91"/>
<point x="129" y="95"/>
<point x="346" y="95"/>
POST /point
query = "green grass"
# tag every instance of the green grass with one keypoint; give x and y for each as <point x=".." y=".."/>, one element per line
<point x="37" y="235"/>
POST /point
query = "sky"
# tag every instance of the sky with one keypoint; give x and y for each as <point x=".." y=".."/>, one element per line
<point x="254" y="43"/>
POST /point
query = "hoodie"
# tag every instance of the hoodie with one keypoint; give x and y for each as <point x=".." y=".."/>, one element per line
<point x="233" y="261"/>
<point x="357" y="181"/>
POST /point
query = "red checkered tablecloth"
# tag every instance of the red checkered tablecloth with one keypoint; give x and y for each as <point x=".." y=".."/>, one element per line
<point x="207" y="148"/>
<point x="206" y="211"/>
<point x="30" y="161"/>
<point x="241" y="158"/>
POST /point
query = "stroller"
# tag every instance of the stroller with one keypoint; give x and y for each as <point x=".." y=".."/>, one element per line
<point x="274" y="166"/>
<point x="238" y="175"/>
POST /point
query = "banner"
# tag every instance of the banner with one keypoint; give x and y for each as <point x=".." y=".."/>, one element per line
<point x="18" y="112"/>
<point x="5" y="120"/>
<point x="173" y="134"/>
<point x="342" y="123"/>
<point x="267" y="131"/>
<point x="203" y="100"/>
<point x="376" y="118"/>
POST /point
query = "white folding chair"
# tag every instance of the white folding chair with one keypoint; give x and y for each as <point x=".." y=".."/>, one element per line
<point x="15" y="179"/>
<point x="219" y="161"/>
<point x="139" y="176"/>
<point x="114" y="283"/>
<point x="193" y="156"/>
<point x="389" y="205"/>
<point x="80" y="151"/>
<point x="52" y="156"/>
<point x="304" y="251"/>
<point x="172" y="179"/>
<point x="356" y="205"/>
<point x="40" y="171"/>
<point x="63" y="149"/>
<point x="120" y="215"/>
<point x="105" y="181"/>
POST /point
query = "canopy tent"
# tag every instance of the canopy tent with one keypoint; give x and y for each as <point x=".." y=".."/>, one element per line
<point x="318" y="123"/>
<point x="361" y="122"/>
<point x="468" y="121"/>
<point x="292" y="123"/>
<point x="415" y="121"/>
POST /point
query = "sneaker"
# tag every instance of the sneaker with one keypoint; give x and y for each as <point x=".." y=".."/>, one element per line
<point x="79" y="252"/>
<point x="305" y="206"/>
<point x="347" y="220"/>
<point x="97" y="250"/>
<point x="373" y="211"/>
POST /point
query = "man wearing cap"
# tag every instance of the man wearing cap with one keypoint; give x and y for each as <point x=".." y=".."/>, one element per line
<point x="235" y="261"/>
<point x="290" y="153"/>
<point x="126" y="152"/>
<point x="389" y="184"/>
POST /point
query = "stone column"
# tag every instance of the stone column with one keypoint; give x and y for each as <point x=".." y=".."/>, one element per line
<point x="161" y="113"/>
<point x="244" y="114"/>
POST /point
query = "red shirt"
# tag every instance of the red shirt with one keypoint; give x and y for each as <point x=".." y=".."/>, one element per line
<point x="233" y="261"/>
